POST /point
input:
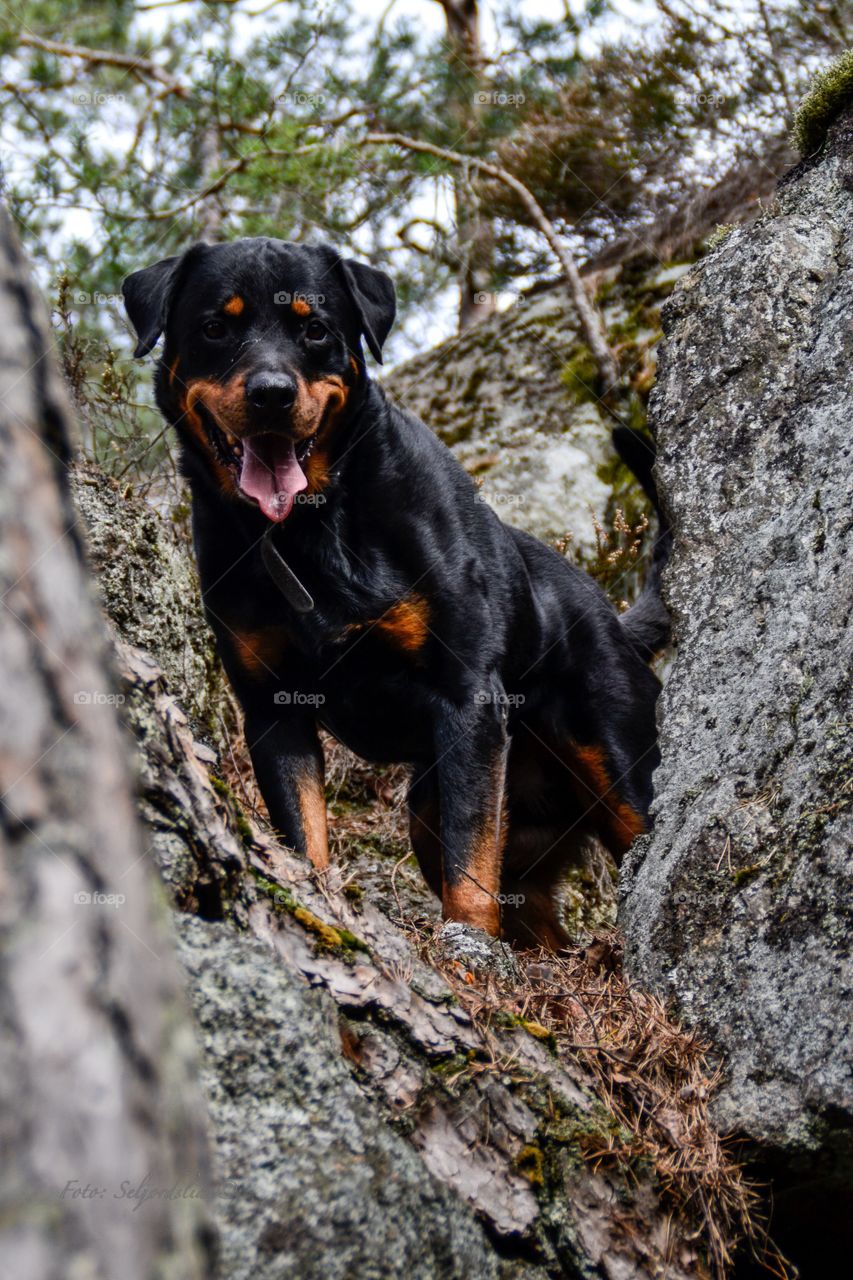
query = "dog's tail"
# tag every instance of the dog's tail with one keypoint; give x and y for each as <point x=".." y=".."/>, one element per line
<point x="647" y="622"/>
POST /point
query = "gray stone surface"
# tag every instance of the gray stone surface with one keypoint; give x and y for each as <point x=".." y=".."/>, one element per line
<point x="497" y="394"/>
<point x="740" y="905"/>
<point x="310" y="1182"/>
<point x="149" y="589"/>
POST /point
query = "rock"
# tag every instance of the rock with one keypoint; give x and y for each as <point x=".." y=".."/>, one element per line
<point x="513" y="398"/>
<point x="150" y="592"/>
<point x="308" y="1183"/>
<point x="739" y="906"/>
<point x="469" y="948"/>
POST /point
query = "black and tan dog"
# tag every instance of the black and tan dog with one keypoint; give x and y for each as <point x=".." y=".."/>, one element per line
<point x="355" y="580"/>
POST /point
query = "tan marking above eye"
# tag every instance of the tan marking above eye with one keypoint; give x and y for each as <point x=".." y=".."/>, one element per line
<point x="300" y="307"/>
<point x="234" y="306"/>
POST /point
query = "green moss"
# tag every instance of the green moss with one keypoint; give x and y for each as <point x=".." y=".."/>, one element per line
<point x="721" y="232"/>
<point x="568" y="1134"/>
<point x="453" y="1065"/>
<point x="831" y="90"/>
<point x="505" y="1020"/>
<point x="744" y="875"/>
<point x="580" y="375"/>
<point x="539" y="1032"/>
<point x="330" y="939"/>
<point x="572" y="1135"/>
<point x="241" y="822"/>
<point x="589" y="903"/>
<point x="355" y="894"/>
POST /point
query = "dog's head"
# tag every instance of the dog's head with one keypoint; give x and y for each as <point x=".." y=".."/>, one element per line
<point x="262" y="354"/>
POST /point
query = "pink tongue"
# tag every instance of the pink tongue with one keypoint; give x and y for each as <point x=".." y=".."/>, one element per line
<point x="271" y="474"/>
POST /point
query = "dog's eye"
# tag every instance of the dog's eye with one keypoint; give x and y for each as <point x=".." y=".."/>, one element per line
<point x="214" y="329"/>
<point x="315" y="331"/>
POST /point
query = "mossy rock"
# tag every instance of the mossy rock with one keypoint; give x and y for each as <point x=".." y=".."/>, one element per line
<point x="831" y="91"/>
<point x="329" y="939"/>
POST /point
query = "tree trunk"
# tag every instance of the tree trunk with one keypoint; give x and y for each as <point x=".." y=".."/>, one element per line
<point x="96" y="1091"/>
<point x="474" y="231"/>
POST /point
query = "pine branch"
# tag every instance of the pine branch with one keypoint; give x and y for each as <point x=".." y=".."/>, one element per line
<point x="107" y="58"/>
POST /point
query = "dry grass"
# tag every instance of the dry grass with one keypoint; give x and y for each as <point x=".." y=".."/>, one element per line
<point x="654" y="1079"/>
<point x="616" y="563"/>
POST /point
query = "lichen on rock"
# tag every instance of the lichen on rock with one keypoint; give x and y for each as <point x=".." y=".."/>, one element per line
<point x="149" y="590"/>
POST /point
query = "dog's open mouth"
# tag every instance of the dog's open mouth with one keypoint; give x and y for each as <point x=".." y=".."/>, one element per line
<point x="267" y="467"/>
<point x="271" y="474"/>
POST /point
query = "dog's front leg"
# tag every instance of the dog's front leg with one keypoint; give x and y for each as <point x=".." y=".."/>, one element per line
<point x="288" y="762"/>
<point x="471" y="753"/>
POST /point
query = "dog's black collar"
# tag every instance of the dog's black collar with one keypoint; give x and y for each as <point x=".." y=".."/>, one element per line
<point x="283" y="576"/>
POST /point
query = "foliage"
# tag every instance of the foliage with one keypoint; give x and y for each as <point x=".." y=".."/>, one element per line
<point x="828" y="93"/>
<point x="132" y="129"/>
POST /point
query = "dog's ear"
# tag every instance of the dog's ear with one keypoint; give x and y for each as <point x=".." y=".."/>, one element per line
<point x="145" y="296"/>
<point x="148" y="293"/>
<point x="373" y="296"/>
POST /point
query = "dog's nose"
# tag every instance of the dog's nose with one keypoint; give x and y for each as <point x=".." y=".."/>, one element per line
<point x="270" y="391"/>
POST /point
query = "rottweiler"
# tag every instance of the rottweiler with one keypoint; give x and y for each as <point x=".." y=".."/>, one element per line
<point x="355" y="579"/>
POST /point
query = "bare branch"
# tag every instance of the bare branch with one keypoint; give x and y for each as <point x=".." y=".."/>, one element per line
<point x="591" y="323"/>
<point x="107" y="58"/>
